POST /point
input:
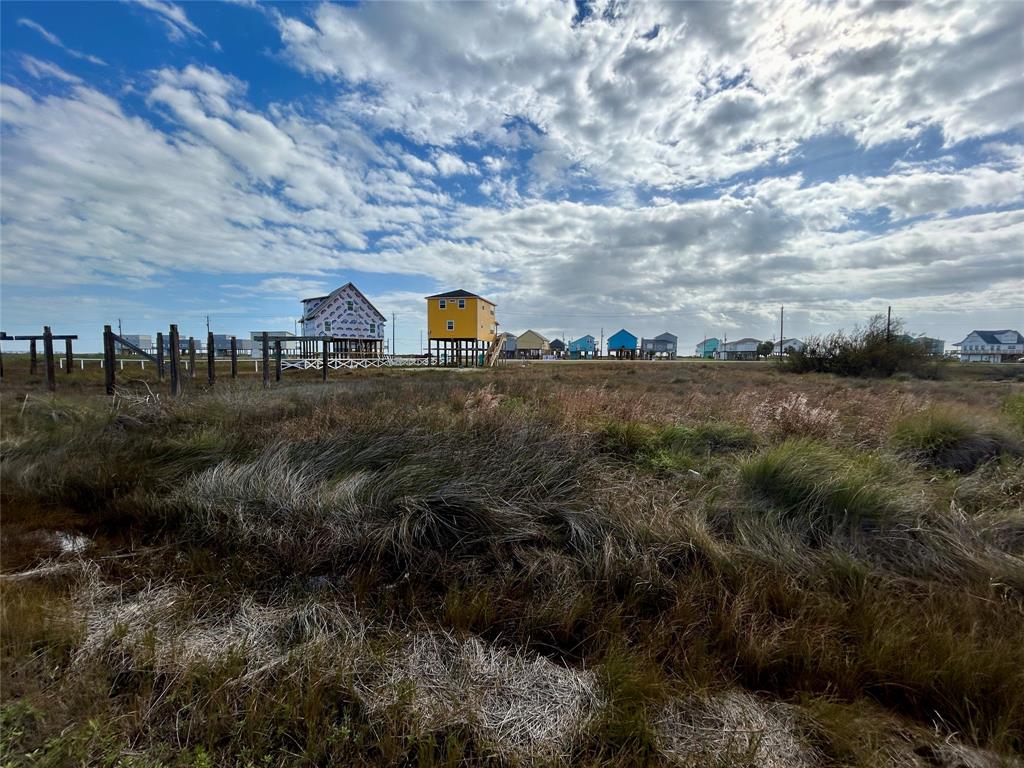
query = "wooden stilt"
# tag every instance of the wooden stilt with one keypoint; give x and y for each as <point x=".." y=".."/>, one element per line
<point x="234" y="358"/>
<point x="108" y="359"/>
<point x="51" y="379"/>
<point x="69" y="357"/>
<point x="266" y="360"/>
<point x="159" y="356"/>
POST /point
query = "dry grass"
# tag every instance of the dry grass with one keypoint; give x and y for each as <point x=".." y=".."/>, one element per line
<point x="635" y="564"/>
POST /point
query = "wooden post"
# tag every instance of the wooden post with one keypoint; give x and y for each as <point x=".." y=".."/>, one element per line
<point x="160" y="356"/>
<point x="174" y="348"/>
<point x="68" y="355"/>
<point x="191" y="357"/>
<point x="277" y="360"/>
<point x="234" y="358"/>
<point x="32" y="366"/>
<point x="266" y="360"/>
<point x="51" y="380"/>
<point x="108" y="359"/>
<point x="211" y="374"/>
<point x="324" y="371"/>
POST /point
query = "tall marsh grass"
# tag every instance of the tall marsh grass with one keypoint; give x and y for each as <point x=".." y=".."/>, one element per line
<point x="443" y="570"/>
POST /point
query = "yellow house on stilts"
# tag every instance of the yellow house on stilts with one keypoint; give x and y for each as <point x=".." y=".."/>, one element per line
<point x="462" y="329"/>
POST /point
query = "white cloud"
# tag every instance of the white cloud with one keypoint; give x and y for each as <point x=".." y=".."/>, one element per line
<point x="720" y="89"/>
<point x="449" y="164"/>
<point x="54" y="40"/>
<point x="41" y="69"/>
<point x="174" y="18"/>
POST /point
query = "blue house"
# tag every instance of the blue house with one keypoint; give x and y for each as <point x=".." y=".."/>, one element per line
<point x="583" y="347"/>
<point x="708" y="348"/>
<point x="622" y="344"/>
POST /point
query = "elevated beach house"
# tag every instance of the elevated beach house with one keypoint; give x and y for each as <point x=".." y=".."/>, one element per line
<point x="991" y="347"/>
<point x="584" y="347"/>
<point x="461" y="326"/>
<point x="557" y="347"/>
<point x="622" y="344"/>
<point x="786" y="345"/>
<point x="708" y="348"/>
<point x="531" y="344"/>
<point x="348" y="318"/>
<point x="663" y="346"/>
<point x="744" y="349"/>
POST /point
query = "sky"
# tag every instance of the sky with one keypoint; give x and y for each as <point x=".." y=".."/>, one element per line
<point x="687" y="167"/>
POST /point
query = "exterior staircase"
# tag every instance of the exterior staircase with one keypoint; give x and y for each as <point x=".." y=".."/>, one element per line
<point x="494" y="351"/>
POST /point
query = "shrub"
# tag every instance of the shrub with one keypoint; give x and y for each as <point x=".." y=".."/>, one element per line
<point x="942" y="439"/>
<point x="870" y="351"/>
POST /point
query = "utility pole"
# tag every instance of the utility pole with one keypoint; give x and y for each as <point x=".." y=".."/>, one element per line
<point x="888" y="325"/>
<point x="600" y="346"/>
<point x="119" y="331"/>
<point x="392" y="333"/>
<point x="782" y="314"/>
<point x="207" y="324"/>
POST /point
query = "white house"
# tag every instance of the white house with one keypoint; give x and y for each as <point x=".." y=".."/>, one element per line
<point x="744" y="349"/>
<point x="991" y="347"/>
<point x="788" y="344"/>
<point x="345" y="313"/>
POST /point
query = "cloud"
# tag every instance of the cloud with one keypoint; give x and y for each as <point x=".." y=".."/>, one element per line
<point x="719" y="90"/>
<point x="449" y="164"/>
<point x="42" y="69"/>
<point x="174" y="19"/>
<point x="54" y="40"/>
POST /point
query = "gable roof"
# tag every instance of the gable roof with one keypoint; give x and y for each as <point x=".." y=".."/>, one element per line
<point x="557" y="344"/>
<point x="666" y="336"/>
<point x="992" y="337"/>
<point x="526" y="338"/>
<point x="460" y="294"/>
<point x="335" y="292"/>
<point x="621" y="334"/>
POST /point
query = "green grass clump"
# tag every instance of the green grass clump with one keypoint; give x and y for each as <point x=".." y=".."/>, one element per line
<point x="946" y="440"/>
<point x="673" y="447"/>
<point x="1013" y="407"/>
<point x="819" y="487"/>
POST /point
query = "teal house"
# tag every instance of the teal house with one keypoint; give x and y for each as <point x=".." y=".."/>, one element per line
<point x="622" y="344"/>
<point x="708" y="348"/>
<point x="583" y="348"/>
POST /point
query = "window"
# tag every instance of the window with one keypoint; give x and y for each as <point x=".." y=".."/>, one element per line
<point x="349" y="305"/>
<point x="373" y="327"/>
<point x="451" y="325"/>
<point x="462" y="303"/>
<point x="442" y="304"/>
<point x="327" y="326"/>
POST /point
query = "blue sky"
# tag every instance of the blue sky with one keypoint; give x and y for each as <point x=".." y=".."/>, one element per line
<point x="682" y="167"/>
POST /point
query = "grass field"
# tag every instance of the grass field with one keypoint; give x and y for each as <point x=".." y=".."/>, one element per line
<point x="600" y="564"/>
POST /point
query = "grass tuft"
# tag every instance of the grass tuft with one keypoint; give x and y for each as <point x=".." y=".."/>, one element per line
<point x="947" y="440"/>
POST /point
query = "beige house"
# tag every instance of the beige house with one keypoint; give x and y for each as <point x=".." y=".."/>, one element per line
<point x="531" y="344"/>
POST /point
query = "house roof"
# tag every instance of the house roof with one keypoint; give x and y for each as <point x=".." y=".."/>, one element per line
<point x="666" y="336"/>
<point x="460" y="294"/>
<point x="314" y="298"/>
<point x="557" y="344"/>
<point x="747" y="340"/>
<point x="337" y="291"/>
<point x="992" y="337"/>
<point x="530" y="336"/>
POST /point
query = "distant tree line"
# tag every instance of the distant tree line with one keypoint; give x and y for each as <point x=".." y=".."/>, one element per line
<point x="879" y="349"/>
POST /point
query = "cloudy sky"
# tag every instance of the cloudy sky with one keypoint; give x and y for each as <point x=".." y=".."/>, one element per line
<point x="684" y="166"/>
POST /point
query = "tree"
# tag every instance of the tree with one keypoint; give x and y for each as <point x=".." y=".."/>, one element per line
<point x="879" y="349"/>
<point x="765" y="349"/>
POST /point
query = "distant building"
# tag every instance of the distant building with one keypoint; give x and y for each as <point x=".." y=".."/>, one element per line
<point x="660" y="346"/>
<point x="461" y="315"/>
<point x="787" y="345"/>
<point x="935" y="347"/>
<point x="222" y="345"/>
<point x="622" y="344"/>
<point x="991" y="347"/>
<point x="707" y="348"/>
<point x="744" y="349"/>
<point x="583" y="347"/>
<point x="531" y="344"/>
<point x="509" y="347"/>
<point x="141" y="340"/>
<point x="348" y="317"/>
<point x="557" y="347"/>
<point x="289" y="344"/>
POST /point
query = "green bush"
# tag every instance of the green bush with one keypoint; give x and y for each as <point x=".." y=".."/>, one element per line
<point x="946" y="440"/>
<point x="876" y="350"/>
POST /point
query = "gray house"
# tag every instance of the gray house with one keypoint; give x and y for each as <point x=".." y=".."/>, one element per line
<point x="663" y="346"/>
